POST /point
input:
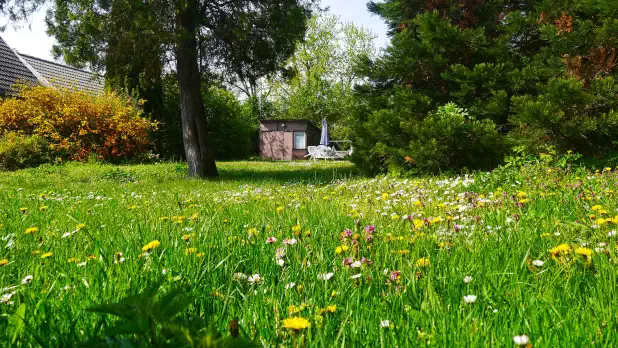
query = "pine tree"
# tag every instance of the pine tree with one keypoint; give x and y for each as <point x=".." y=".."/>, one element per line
<point x="541" y="71"/>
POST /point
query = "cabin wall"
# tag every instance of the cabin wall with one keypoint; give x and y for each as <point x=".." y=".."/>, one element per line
<point x="276" y="145"/>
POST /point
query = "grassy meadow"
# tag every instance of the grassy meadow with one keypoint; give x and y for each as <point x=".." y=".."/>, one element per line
<point x="474" y="260"/>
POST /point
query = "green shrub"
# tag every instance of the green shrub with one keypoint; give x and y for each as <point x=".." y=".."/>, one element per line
<point x="445" y="139"/>
<point x="18" y="151"/>
<point x="450" y="138"/>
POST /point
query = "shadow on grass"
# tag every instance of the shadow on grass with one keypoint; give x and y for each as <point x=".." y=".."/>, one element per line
<point x="318" y="174"/>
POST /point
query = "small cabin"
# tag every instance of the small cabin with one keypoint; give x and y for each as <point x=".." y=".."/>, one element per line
<point x="287" y="139"/>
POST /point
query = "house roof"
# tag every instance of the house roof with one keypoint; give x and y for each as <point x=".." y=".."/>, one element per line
<point x="63" y="76"/>
<point x="13" y="70"/>
<point x="21" y="68"/>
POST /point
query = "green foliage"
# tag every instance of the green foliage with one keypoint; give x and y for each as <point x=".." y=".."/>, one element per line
<point x="18" y="151"/>
<point x="233" y="131"/>
<point x="153" y="316"/>
<point x="232" y="126"/>
<point x="319" y="78"/>
<point x="544" y="72"/>
<point x="450" y="138"/>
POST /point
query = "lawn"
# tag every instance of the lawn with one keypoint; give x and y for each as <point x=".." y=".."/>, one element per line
<point x="463" y="260"/>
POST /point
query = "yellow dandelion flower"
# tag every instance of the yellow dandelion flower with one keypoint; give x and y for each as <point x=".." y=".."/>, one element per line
<point x="423" y="262"/>
<point x="328" y="309"/>
<point x="91" y="257"/>
<point x="341" y="249"/>
<point x="560" y="250"/>
<point x="23" y="210"/>
<point x="190" y="251"/>
<point x="72" y="259"/>
<point x="597" y="207"/>
<point x="296" y="228"/>
<point x="4" y="262"/>
<point x="80" y="226"/>
<point x="333" y="294"/>
<point x="296" y="323"/>
<point x="186" y="237"/>
<point x="200" y="254"/>
<point x="584" y="252"/>
<point x="43" y="208"/>
<point x="150" y="246"/>
<point x="31" y="230"/>
<point x="46" y="255"/>
<point x="279" y="209"/>
<point x="418" y="223"/>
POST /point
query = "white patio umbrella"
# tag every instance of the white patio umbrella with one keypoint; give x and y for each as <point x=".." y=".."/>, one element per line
<point x="324" y="138"/>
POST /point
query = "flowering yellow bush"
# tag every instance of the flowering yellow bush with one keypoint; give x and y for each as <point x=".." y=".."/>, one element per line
<point x="77" y="124"/>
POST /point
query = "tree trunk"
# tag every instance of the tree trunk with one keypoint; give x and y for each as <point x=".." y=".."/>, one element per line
<point x="200" y="157"/>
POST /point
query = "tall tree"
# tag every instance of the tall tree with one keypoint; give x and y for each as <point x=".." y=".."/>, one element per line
<point x="318" y="79"/>
<point x="178" y="28"/>
<point x="543" y="72"/>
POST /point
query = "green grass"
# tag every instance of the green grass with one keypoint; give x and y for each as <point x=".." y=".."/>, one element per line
<point x="504" y="221"/>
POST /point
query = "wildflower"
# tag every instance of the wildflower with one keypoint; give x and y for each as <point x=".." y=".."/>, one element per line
<point x="347" y="261"/>
<point x="4" y="262"/>
<point x="118" y="258"/>
<point x="73" y="260"/>
<point x="538" y="263"/>
<point x="356" y="276"/>
<point x="190" y="251"/>
<point x="31" y="230"/>
<point x="23" y="210"/>
<point x="289" y="285"/>
<point x="280" y="262"/>
<point x="611" y="233"/>
<point x="279" y="209"/>
<point x="467" y="279"/>
<point x="201" y="254"/>
<point x="356" y="264"/>
<point x="80" y="226"/>
<point x="296" y="229"/>
<point x="395" y="275"/>
<point x="385" y="323"/>
<point x="81" y="264"/>
<point x="423" y="262"/>
<point x="470" y="298"/>
<point x="333" y="294"/>
<point x="560" y="251"/>
<point x="279" y="253"/>
<point x="150" y="246"/>
<point x="43" y="208"/>
<point x="6" y="298"/>
<point x="325" y="276"/>
<point x="347" y="233"/>
<point x="271" y="240"/>
<point x="46" y="255"/>
<point x="290" y="241"/>
<point x="341" y="249"/>
<point x="186" y="237"/>
<point x="328" y="309"/>
<point x="597" y="207"/>
<point x="240" y="276"/>
<point x="586" y="253"/>
<point x="296" y="323"/>
<point x="27" y="280"/>
<point x="521" y="340"/>
<point x="254" y="279"/>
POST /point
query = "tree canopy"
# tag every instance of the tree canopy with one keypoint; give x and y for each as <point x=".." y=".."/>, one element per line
<point x="135" y="41"/>
<point x="542" y="72"/>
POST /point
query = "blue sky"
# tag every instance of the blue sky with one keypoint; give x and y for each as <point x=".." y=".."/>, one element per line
<point x="30" y="38"/>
